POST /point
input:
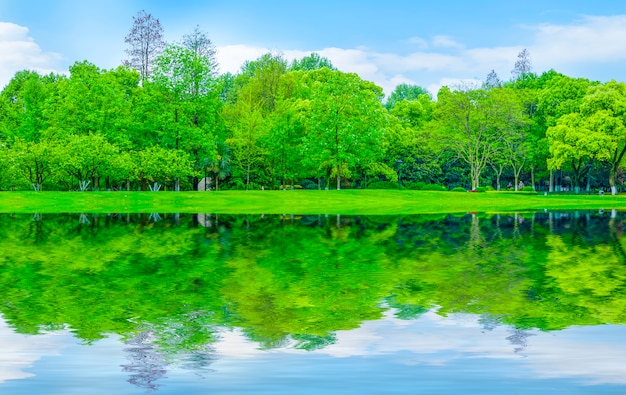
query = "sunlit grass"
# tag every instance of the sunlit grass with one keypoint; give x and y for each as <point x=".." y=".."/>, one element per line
<point x="371" y="202"/>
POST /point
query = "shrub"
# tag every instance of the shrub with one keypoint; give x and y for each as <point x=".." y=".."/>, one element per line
<point x="458" y="189"/>
<point x="481" y="189"/>
<point x="413" y="185"/>
<point x="434" y="187"/>
<point x="528" y="189"/>
<point x="383" y="185"/>
<point x="308" y="184"/>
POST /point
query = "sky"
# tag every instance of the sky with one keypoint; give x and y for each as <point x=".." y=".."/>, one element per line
<point x="426" y="43"/>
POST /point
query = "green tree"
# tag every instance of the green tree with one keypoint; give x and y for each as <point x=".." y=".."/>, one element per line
<point x="604" y="106"/>
<point x="312" y="62"/>
<point x="404" y="92"/>
<point x="36" y="162"/>
<point x="85" y="159"/>
<point x="346" y="121"/>
<point x="472" y="123"/>
<point x="247" y="125"/>
<point x="187" y="76"/>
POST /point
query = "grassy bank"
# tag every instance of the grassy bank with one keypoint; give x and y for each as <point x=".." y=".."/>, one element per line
<point x="382" y="202"/>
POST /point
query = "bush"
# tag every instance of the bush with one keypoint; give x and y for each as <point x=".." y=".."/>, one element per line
<point x="383" y="185"/>
<point x="308" y="184"/>
<point x="458" y="189"/>
<point x="528" y="189"/>
<point x="434" y="187"/>
<point x="481" y="189"/>
<point x="413" y="185"/>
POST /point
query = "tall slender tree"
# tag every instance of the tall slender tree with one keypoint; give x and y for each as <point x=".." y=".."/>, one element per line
<point x="523" y="65"/>
<point x="145" y="41"/>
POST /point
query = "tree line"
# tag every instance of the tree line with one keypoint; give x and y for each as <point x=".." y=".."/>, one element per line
<point x="167" y="119"/>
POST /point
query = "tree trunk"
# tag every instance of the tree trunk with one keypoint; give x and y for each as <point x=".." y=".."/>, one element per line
<point x="248" y="177"/>
<point x="612" y="179"/>
<point x="532" y="177"/>
<point x="339" y="177"/>
<point x="551" y="187"/>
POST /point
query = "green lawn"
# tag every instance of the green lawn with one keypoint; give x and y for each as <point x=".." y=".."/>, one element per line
<point x="371" y="202"/>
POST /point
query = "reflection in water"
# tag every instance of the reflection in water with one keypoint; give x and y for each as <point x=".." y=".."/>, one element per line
<point x="171" y="285"/>
<point x="146" y="366"/>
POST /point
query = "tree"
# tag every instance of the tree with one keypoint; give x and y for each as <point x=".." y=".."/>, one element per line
<point x="559" y="96"/>
<point x="35" y="161"/>
<point x="604" y="107"/>
<point x="312" y="62"/>
<point x="199" y="42"/>
<point x="158" y="165"/>
<point x="472" y="124"/>
<point x="404" y="92"/>
<point x="523" y="65"/>
<point x="186" y="76"/>
<point x="492" y="81"/>
<point x="346" y="121"/>
<point x="572" y="142"/>
<point x="145" y="41"/>
<point x="247" y="124"/>
<point x="409" y="146"/>
<point x="85" y="157"/>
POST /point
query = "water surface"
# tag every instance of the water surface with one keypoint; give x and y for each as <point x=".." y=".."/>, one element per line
<point x="516" y="303"/>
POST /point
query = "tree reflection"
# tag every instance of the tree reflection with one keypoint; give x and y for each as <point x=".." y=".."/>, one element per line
<point x="169" y="282"/>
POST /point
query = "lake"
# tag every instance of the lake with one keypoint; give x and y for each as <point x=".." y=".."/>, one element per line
<point x="516" y="303"/>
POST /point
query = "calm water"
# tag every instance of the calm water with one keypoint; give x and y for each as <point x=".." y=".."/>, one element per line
<point x="528" y="303"/>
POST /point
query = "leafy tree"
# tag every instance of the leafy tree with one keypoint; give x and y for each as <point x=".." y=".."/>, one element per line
<point x="312" y="62"/>
<point x="155" y="166"/>
<point x="86" y="157"/>
<point x="36" y="162"/>
<point x="187" y="78"/>
<point x="571" y="142"/>
<point x="248" y="127"/>
<point x="604" y="107"/>
<point x="23" y="103"/>
<point x="410" y="148"/>
<point x="404" y="92"/>
<point x="472" y="124"/>
<point x="346" y="120"/>
<point x="145" y="41"/>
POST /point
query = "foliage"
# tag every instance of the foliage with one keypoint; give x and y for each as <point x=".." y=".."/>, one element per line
<point x="434" y="187"/>
<point x="458" y="189"/>
<point x="382" y="185"/>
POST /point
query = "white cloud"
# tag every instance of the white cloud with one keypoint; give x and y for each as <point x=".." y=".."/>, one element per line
<point x="584" y="47"/>
<point x="445" y="42"/>
<point x="21" y="52"/>
<point x="436" y="340"/>
<point x="231" y="57"/>
<point x="419" y="42"/>
<point x="20" y="352"/>
<point x="591" y="40"/>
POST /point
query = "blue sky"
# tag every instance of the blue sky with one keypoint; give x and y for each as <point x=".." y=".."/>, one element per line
<point x="424" y="43"/>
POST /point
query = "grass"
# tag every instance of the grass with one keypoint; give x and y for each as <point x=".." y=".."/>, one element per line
<point x="364" y="202"/>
